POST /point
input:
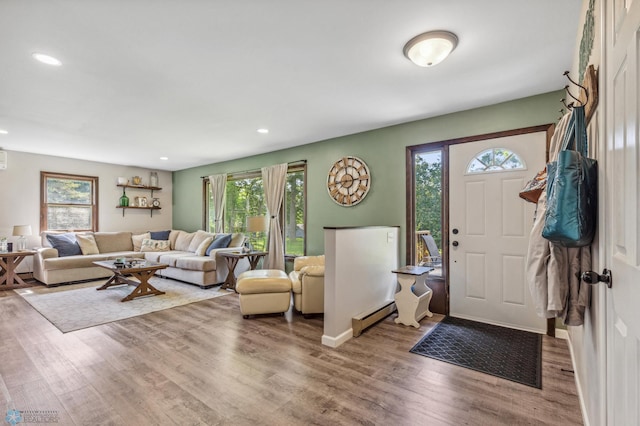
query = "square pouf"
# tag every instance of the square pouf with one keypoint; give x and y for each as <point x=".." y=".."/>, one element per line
<point x="264" y="291"/>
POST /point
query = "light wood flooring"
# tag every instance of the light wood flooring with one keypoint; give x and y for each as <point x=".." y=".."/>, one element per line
<point x="203" y="364"/>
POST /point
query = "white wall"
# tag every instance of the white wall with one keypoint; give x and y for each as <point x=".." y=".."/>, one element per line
<point x="358" y="277"/>
<point x="588" y="342"/>
<point x="20" y="194"/>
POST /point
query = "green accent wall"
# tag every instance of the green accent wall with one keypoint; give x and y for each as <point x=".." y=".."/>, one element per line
<point x="384" y="152"/>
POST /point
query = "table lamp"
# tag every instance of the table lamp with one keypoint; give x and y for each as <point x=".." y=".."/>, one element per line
<point x="21" y="231"/>
<point x="257" y="224"/>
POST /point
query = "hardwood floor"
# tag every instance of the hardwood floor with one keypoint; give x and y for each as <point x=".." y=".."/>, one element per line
<point x="203" y="364"/>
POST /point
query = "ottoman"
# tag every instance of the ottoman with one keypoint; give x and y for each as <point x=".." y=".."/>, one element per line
<point x="264" y="291"/>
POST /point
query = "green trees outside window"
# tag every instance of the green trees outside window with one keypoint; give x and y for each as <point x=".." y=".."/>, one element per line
<point x="428" y="187"/>
<point x="69" y="202"/>
<point x="245" y="198"/>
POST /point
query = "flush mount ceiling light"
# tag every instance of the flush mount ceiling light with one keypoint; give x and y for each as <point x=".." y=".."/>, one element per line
<point x="46" y="59"/>
<point x="3" y="132"/>
<point x="263" y="131"/>
<point x="431" y="48"/>
<point x="164" y="158"/>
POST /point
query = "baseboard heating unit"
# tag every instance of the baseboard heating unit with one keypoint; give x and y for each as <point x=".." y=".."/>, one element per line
<point x="366" y="319"/>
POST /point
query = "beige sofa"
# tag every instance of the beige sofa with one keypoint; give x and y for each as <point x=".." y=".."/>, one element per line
<point x="184" y="255"/>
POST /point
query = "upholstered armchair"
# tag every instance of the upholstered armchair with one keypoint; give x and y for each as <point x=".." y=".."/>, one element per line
<point x="307" y="284"/>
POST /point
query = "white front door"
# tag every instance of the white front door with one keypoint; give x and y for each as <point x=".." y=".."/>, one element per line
<point x="489" y="226"/>
<point x="620" y="201"/>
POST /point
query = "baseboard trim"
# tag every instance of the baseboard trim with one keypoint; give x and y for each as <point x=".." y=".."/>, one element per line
<point x="583" y="406"/>
<point x="334" y="342"/>
<point x="562" y="333"/>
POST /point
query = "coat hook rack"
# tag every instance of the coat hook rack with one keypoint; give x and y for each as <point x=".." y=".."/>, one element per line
<point x="566" y="88"/>
<point x="567" y="106"/>
<point x="586" y="92"/>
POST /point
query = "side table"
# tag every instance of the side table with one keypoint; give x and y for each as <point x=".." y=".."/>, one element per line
<point x="414" y="296"/>
<point x="9" y="261"/>
<point x="232" y="259"/>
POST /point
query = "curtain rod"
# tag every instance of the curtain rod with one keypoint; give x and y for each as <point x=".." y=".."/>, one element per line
<point x="290" y="163"/>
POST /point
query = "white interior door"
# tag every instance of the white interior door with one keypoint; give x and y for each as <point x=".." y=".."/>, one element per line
<point x="489" y="226"/>
<point x="620" y="193"/>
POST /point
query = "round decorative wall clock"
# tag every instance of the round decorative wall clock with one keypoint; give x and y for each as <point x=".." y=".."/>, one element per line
<point x="349" y="181"/>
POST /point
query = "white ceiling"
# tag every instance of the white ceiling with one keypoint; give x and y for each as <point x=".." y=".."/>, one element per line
<point x="194" y="79"/>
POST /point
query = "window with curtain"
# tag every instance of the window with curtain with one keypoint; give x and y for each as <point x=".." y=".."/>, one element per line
<point x="245" y="199"/>
<point x="68" y="202"/>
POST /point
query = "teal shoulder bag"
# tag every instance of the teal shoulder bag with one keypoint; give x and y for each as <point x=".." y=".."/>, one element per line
<point x="572" y="189"/>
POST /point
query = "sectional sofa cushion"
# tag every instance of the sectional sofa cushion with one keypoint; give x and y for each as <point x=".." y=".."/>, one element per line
<point x="184" y="240"/>
<point x="113" y="241"/>
<point x="87" y="244"/>
<point x="196" y="263"/>
<point x="66" y="244"/>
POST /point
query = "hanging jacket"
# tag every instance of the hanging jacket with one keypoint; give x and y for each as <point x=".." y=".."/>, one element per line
<point x="554" y="272"/>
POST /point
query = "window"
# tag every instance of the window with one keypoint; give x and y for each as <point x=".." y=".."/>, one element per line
<point x="495" y="160"/>
<point x="68" y="202"/>
<point x="245" y="198"/>
<point x="428" y="208"/>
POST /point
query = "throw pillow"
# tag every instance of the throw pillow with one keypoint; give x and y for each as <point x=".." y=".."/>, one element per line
<point x="221" y="241"/>
<point x="137" y="240"/>
<point x="237" y="240"/>
<point x="184" y="240"/>
<point x="204" y="245"/>
<point x="87" y="244"/>
<point x="154" y="245"/>
<point x="198" y="238"/>
<point x="66" y="244"/>
<point x="159" y="235"/>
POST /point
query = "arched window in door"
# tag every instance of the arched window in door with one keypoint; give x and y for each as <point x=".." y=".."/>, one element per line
<point x="495" y="160"/>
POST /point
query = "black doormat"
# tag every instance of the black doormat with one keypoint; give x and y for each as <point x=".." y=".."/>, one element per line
<point x="503" y="352"/>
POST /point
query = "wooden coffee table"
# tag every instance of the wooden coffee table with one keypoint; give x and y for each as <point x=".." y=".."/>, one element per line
<point x="140" y="270"/>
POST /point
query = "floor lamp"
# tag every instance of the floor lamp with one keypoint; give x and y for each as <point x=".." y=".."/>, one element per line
<point x="256" y="224"/>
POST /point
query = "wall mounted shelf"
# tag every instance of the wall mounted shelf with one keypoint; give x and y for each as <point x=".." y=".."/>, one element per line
<point x="142" y="188"/>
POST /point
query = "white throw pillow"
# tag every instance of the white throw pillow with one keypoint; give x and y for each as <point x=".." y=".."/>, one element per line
<point x="154" y="245"/>
<point x="87" y="244"/>
<point x="204" y="245"/>
<point x="137" y="240"/>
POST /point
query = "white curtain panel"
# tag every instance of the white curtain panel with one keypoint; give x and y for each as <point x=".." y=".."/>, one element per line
<point x="274" y="179"/>
<point x="218" y="193"/>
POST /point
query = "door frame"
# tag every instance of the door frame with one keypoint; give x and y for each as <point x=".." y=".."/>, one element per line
<point x="410" y="152"/>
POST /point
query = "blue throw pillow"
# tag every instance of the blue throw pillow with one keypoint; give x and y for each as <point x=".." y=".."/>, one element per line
<point x="220" y="241"/>
<point x="160" y="235"/>
<point x="66" y="244"/>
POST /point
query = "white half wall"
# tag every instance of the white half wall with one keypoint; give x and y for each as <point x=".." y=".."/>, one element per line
<point x="20" y="195"/>
<point x="358" y="277"/>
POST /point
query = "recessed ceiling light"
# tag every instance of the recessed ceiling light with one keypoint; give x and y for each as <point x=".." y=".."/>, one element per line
<point x="164" y="158"/>
<point x="46" y="59"/>
<point x="3" y="132"/>
<point x="263" y="131"/>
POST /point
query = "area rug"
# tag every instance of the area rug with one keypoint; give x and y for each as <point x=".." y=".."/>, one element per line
<point x="503" y="352"/>
<point x="77" y="306"/>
